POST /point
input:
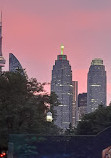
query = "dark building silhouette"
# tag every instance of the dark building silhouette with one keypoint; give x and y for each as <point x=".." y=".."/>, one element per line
<point x="14" y="64"/>
<point x="75" y="103"/>
<point x="96" y="85"/>
<point x="82" y="104"/>
<point x="61" y="84"/>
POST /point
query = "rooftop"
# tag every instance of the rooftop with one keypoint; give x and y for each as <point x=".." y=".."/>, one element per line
<point x="97" y="61"/>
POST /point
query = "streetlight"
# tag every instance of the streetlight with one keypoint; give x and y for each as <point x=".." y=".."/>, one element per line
<point x="49" y="117"/>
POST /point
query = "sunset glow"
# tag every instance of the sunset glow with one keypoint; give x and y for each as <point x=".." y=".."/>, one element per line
<point x="33" y="31"/>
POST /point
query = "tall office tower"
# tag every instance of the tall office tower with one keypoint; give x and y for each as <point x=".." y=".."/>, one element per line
<point x="75" y="103"/>
<point x="14" y="64"/>
<point x="2" y="60"/>
<point x="96" y="85"/>
<point x="61" y="84"/>
<point x="82" y="104"/>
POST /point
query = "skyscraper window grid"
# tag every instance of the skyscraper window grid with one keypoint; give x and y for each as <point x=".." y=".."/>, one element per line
<point x="96" y="85"/>
<point x="61" y="84"/>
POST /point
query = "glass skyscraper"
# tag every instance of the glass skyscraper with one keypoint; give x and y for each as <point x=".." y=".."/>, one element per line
<point x="14" y="64"/>
<point x="96" y="85"/>
<point x="61" y="84"/>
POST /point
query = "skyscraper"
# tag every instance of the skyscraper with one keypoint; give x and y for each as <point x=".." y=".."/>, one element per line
<point x="61" y="84"/>
<point x="2" y="60"/>
<point x="96" y="85"/>
<point x="82" y="104"/>
<point x="75" y="103"/>
<point x="14" y="64"/>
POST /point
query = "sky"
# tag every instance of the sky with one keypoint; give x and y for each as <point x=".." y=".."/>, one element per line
<point x="33" y="30"/>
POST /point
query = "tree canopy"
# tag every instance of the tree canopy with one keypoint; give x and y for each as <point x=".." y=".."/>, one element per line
<point x="21" y="111"/>
<point x="95" y="122"/>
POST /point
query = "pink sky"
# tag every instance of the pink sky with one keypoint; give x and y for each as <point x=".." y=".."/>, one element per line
<point x="33" y="31"/>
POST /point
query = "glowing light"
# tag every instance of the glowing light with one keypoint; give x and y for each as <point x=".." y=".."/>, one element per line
<point x="49" y="117"/>
<point x="62" y="48"/>
<point x="95" y="85"/>
<point x="1" y="155"/>
<point x="4" y="154"/>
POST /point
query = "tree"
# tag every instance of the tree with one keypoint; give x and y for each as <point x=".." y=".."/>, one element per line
<point x="69" y="131"/>
<point x="95" y="122"/>
<point x="53" y="103"/>
<point x="22" y="106"/>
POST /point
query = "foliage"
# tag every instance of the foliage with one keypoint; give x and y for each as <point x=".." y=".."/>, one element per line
<point x="21" y="111"/>
<point x="53" y="103"/>
<point x="95" y="122"/>
<point x="69" y="131"/>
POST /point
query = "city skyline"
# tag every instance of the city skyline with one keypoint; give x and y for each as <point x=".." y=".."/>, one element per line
<point x="34" y="30"/>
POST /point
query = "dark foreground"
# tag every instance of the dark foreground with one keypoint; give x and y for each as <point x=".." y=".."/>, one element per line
<point x="34" y="146"/>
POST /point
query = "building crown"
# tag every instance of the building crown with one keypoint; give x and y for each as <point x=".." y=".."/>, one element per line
<point x="97" y="61"/>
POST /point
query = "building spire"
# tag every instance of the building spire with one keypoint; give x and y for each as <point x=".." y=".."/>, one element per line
<point x="1" y="19"/>
<point x="2" y="60"/>
<point x="62" y="48"/>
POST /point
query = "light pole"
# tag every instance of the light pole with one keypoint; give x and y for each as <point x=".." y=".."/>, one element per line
<point x="49" y="117"/>
<point x="49" y="122"/>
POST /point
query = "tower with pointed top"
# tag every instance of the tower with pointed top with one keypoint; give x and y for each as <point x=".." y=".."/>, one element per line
<point x="2" y="60"/>
<point x="14" y="64"/>
<point x="61" y="84"/>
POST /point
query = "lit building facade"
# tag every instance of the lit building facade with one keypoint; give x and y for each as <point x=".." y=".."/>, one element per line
<point x="96" y="85"/>
<point x="61" y="84"/>
<point x="2" y="60"/>
<point x="75" y="103"/>
<point x="14" y="64"/>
